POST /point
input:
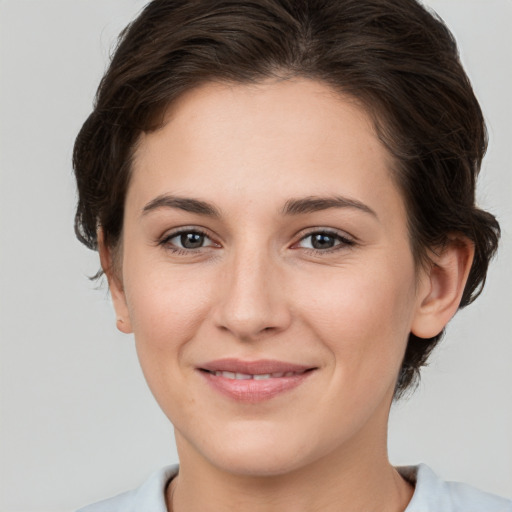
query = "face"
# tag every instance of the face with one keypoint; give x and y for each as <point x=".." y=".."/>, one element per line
<point x="267" y="275"/>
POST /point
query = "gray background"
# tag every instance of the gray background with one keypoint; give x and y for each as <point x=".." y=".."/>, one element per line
<point x="77" y="421"/>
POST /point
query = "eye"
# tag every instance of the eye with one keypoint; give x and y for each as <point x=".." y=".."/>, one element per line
<point x="324" y="241"/>
<point x="188" y="240"/>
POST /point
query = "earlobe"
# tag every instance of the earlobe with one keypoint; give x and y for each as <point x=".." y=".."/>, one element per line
<point x="441" y="287"/>
<point x="115" y="285"/>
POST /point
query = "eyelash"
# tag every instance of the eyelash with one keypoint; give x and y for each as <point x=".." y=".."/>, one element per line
<point x="344" y="241"/>
<point x="165" y="242"/>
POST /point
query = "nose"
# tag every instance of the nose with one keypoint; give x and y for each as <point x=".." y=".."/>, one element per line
<point x="253" y="299"/>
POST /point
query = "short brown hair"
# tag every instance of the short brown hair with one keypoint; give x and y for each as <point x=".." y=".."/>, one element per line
<point x="394" y="56"/>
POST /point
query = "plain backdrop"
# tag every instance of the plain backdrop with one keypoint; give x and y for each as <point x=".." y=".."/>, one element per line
<point x="77" y="421"/>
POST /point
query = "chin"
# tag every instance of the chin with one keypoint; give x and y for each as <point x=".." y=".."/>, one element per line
<point x="257" y="450"/>
<point x="260" y="462"/>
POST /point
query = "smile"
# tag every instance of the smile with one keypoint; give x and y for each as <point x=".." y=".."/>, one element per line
<point x="257" y="376"/>
<point x="254" y="381"/>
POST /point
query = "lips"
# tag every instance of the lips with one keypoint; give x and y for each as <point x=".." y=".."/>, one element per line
<point x="253" y="381"/>
<point x="255" y="376"/>
<point x="253" y="367"/>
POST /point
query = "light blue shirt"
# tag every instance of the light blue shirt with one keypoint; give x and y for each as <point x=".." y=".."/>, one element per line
<point x="431" y="494"/>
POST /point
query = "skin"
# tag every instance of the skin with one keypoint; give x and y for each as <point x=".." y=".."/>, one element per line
<point x="256" y="290"/>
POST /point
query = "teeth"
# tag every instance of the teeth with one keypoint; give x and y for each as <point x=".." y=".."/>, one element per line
<point x="228" y="375"/>
<point x="243" y="376"/>
<point x="261" y="376"/>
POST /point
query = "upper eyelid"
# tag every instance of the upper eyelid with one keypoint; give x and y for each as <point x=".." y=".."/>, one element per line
<point x="184" y="229"/>
<point x="329" y="231"/>
<point x="167" y="236"/>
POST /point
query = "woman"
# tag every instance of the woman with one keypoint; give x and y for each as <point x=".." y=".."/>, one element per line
<point x="282" y="196"/>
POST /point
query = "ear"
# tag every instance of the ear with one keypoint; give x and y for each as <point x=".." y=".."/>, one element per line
<point x="441" y="287"/>
<point x="115" y="284"/>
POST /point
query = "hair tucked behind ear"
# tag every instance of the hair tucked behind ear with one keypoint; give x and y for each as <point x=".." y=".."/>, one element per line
<point x="398" y="59"/>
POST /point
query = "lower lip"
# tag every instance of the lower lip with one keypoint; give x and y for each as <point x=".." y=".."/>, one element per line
<point x="254" y="391"/>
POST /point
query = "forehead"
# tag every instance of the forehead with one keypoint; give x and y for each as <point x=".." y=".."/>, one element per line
<point x="274" y="139"/>
<point x="287" y="109"/>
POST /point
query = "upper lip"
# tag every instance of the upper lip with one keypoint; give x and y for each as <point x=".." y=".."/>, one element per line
<point x="260" y="367"/>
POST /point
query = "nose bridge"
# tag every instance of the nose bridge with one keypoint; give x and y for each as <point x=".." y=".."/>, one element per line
<point x="252" y="295"/>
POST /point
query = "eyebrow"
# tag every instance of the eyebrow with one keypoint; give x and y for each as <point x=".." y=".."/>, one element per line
<point x="313" y="204"/>
<point x="186" y="204"/>
<point x="297" y="206"/>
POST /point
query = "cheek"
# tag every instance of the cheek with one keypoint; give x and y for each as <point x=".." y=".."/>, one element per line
<point x="364" y="318"/>
<point x="167" y="309"/>
<point x="364" y="323"/>
<point x="166" y="306"/>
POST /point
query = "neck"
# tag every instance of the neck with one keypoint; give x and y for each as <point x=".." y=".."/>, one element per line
<point x="356" y="479"/>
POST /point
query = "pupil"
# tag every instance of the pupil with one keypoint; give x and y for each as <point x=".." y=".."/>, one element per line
<point x="321" y="241"/>
<point x="192" y="240"/>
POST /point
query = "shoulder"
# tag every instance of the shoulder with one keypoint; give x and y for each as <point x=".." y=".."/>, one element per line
<point x="432" y="494"/>
<point x="149" y="496"/>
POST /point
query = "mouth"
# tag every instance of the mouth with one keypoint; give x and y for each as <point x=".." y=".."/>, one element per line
<point x="254" y="381"/>
<point x="254" y="376"/>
